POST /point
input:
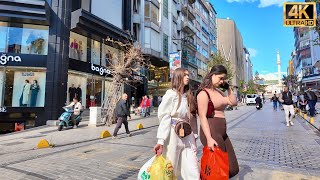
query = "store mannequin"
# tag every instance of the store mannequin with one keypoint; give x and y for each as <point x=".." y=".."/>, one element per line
<point x="25" y="95"/>
<point x="34" y="93"/>
<point x="79" y="92"/>
<point x="72" y="92"/>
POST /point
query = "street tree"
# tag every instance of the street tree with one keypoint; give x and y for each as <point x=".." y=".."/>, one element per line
<point x="216" y="59"/>
<point x="123" y="67"/>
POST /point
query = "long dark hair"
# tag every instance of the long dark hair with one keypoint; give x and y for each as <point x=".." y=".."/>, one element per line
<point x="178" y="85"/>
<point x="215" y="70"/>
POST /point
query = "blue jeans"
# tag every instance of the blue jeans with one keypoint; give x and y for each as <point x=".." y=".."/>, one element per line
<point x="275" y="105"/>
<point x="312" y="105"/>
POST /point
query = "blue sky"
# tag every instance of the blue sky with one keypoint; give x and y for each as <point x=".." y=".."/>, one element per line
<point x="260" y="23"/>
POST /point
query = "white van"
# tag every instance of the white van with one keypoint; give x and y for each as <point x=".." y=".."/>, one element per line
<point x="251" y="98"/>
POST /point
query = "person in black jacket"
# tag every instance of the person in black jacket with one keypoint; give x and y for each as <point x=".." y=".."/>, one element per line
<point x="287" y="101"/>
<point x="312" y="101"/>
<point x="122" y="112"/>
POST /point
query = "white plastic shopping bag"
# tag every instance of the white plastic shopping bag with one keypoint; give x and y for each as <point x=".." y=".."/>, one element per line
<point x="144" y="173"/>
<point x="307" y="107"/>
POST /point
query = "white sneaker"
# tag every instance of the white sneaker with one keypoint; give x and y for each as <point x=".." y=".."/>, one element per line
<point x="291" y="123"/>
<point x="288" y="125"/>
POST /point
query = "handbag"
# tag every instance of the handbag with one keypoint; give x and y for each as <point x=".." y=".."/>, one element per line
<point x="214" y="164"/>
<point x="182" y="128"/>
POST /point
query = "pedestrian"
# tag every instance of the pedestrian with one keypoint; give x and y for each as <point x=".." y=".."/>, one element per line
<point x="312" y="101"/>
<point x="211" y="104"/>
<point x="287" y="103"/>
<point x="295" y="100"/>
<point x="302" y="103"/>
<point x="274" y="99"/>
<point x="159" y="100"/>
<point x="177" y="107"/>
<point x="122" y="112"/>
<point x="143" y="105"/>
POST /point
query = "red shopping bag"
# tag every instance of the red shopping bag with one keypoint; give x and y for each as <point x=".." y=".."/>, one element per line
<point x="214" y="165"/>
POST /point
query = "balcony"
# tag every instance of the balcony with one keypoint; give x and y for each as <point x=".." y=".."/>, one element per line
<point x="191" y="45"/>
<point x="189" y="11"/>
<point x="188" y="27"/>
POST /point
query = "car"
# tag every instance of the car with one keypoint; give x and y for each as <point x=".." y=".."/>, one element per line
<point x="251" y="98"/>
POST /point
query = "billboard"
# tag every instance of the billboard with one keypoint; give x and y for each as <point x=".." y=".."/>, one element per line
<point x="174" y="61"/>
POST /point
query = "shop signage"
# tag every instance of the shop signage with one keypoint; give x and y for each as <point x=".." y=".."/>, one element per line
<point x="3" y="109"/>
<point x="100" y="70"/>
<point x="27" y="73"/>
<point x="4" y="59"/>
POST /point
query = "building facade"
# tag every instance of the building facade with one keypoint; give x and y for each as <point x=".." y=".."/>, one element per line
<point x="206" y="35"/>
<point x="248" y="75"/>
<point x="231" y="45"/>
<point x="63" y="49"/>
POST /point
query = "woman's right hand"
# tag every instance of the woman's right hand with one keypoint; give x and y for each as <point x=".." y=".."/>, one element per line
<point x="211" y="143"/>
<point x="158" y="148"/>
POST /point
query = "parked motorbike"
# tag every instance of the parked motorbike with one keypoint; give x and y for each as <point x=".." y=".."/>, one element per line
<point x="65" y="119"/>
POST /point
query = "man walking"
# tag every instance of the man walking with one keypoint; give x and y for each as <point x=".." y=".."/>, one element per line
<point x="287" y="103"/>
<point x="312" y="101"/>
<point x="274" y="99"/>
<point x="122" y="113"/>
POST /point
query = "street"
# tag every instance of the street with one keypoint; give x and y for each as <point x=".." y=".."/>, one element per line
<point x="265" y="148"/>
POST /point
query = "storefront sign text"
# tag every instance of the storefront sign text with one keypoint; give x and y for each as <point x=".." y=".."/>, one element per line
<point x="27" y="73"/>
<point x="4" y="59"/>
<point x="100" y="70"/>
<point x="3" y="109"/>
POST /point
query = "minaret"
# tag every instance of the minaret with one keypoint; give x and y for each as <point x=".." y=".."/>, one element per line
<point x="279" y="68"/>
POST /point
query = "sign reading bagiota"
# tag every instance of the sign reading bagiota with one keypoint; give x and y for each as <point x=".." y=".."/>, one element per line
<point x="4" y="59"/>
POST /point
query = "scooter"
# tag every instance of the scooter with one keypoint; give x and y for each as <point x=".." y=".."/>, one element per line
<point x="259" y="106"/>
<point x="65" y="119"/>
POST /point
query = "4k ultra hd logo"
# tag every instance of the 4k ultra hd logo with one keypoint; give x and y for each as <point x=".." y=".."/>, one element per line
<point x="300" y="14"/>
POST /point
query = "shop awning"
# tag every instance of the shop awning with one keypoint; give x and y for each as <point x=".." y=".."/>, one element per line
<point x="81" y="20"/>
<point x="25" y="11"/>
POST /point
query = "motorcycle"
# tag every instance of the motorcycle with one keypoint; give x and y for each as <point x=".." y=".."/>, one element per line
<point x="259" y="106"/>
<point x="65" y="119"/>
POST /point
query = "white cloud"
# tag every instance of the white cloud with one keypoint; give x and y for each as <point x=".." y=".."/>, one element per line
<point x="253" y="52"/>
<point x="263" y="3"/>
<point x="271" y="76"/>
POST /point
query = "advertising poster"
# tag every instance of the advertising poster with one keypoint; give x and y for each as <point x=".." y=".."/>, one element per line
<point x="174" y="61"/>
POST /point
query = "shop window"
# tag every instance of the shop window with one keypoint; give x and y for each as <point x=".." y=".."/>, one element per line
<point x="23" y="38"/>
<point x="109" y="55"/>
<point x="136" y="31"/>
<point x="165" y="45"/>
<point x="24" y="87"/>
<point x="78" y="47"/>
<point x="95" y="52"/>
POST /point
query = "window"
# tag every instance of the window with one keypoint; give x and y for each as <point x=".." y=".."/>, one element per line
<point x="23" y="38"/>
<point x="110" y="11"/>
<point x="24" y="87"/>
<point x="165" y="8"/>
<point x="78" y="47"/>
<point x="95" y="52"/>
<point x="76" y="4"/>
<point x="109" y="55"/>
<point x="136" y="31"/>
<point x="151" y="13"/>
<point x="205" y="53"/>
<point x="197" y="5"/>
<point x="204" y="39"/>
<point x="165" y="45"/>
<point x="198" y="18"/>
<point x="136" y="5"/>
<point x="198" y="48"/>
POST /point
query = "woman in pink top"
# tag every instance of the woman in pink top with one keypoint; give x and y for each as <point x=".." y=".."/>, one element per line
<point x="211" y="104"/>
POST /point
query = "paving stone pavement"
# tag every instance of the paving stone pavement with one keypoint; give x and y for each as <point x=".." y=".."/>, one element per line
<point x="265" y="147"/>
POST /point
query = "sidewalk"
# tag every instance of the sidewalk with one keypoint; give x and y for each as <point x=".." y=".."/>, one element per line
<point x="316" y="118"/>
<point x="27" y="140"/>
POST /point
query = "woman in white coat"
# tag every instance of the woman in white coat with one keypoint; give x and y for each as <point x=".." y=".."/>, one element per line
<point x="25" y="95"/>
<point x="177" y="105"/>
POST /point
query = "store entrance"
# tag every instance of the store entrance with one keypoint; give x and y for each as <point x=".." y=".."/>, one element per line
<point x="94" y="91"/>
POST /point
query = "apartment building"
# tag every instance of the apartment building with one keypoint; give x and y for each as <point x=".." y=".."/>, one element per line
<point x="206" y="35"/>
<point x="230" y="42"/>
